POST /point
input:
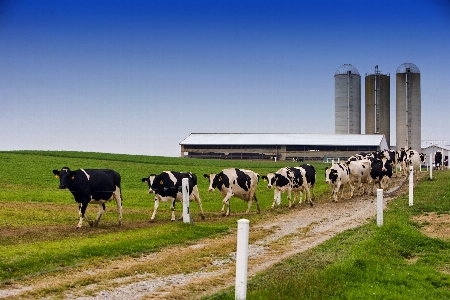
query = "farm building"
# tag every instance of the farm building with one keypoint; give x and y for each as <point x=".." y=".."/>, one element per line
<point x="282" y="146"/>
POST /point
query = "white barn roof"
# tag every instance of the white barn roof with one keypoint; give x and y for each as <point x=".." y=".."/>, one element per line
<point x="286" y="139"/>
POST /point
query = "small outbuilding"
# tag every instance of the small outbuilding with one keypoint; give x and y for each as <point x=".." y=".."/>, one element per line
<point x="279" y="146"/>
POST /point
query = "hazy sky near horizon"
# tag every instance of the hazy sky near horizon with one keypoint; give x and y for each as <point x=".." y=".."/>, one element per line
<point x="137" y="77"/>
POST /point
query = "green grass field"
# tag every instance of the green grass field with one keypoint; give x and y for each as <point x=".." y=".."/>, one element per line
<point x="38" y="221"/>
<point x="38" y="234"/>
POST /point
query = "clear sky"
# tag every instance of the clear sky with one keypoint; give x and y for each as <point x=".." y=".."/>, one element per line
<point x="138" y="77"/>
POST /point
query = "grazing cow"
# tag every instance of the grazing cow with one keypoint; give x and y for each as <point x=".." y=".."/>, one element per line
<point x="338" y="176"/>
<point x="167" y="187"/>
<point x="380" y="173"/>
<point x="91" y="186"/>
<point x="235" y="182"/>
<point x="291" y="180"/>
<point x="438" y="160"/>
<point x="359" y="173"/>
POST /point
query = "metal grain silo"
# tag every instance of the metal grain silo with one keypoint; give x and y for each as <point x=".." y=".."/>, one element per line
<point x="408" y="106"/>
<point x="347" y="100"/>
<point x="378" y="98"/>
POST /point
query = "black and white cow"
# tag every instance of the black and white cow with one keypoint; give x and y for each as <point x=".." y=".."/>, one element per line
<point x="235" y="182"/>
<point x="337" y="177"/>
<point x="167" y="187"/>
<point x="91" y="186"/>
<point x="413" y="159"/>
<point x="438" y="160"/>
<point x="381" y="173"/>
<point x="310" y="173"/>
<point x="392" y="158"/>
<point x="359" y="173"/>
<point x="290" y="180"/>
<point x="402" y="160"/>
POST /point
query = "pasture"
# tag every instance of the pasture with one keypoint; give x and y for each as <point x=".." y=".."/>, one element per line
<point x="39" y="241"/>
<point x="37" y="220"/>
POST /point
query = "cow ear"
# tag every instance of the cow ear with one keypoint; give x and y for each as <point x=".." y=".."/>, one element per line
<point x="206" y="176"/>
<point x="72" y="174"/>
<point x="56" y="173"/>
<point x="144" y="179"/>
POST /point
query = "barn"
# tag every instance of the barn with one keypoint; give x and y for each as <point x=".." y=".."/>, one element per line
<point x="280" y="146"/>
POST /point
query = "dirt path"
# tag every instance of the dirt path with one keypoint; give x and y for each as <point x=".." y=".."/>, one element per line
<point x="212" y="262"/>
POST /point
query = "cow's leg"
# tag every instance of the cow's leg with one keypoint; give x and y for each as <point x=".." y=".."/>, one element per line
<point x="83" y="207"/>
<point x="336" y="191"/>
<point x="155" y="208"/>
<point x="258" y="210"/>
<point x="289" y="197"/>
<point x="199" y="202"/>
<point x="352" y="189"/>
<point x="80" y="222"/>
<point x="335" y="194"/>
<point x="172" y="209"/>
<point x="101" y="210"/>
<point x="308" y="195"/>
<point x="276" y="194"/>
<point x="296" y="195"/>
<point x="118" y="197"/>
<point x="251" y="197"/>
<point x="226" y="202"/>
<point x="300" y="195"/>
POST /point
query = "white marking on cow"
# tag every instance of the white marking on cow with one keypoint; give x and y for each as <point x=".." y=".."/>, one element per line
<point x="85" y="173"/>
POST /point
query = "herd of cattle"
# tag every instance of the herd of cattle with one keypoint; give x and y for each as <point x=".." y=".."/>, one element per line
<point x="362" y="172"/>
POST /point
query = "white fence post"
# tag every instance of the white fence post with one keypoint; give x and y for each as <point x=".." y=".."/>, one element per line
<point x="431" y="170"/>
<point x="380" y="207"/>
<point x="242" y="260"/>
<point x="185" y="190"/>
<point x="411" y="185"/>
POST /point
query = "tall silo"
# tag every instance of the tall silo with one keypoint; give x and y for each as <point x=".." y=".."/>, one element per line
<point x="408" y="107"/>
<point x="347" y="100"/>
<point x="378" y="99"/>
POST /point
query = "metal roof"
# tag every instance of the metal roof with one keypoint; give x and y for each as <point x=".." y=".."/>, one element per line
<point x="285" y="139"/>
<point x="345" y="68"/>
<point x="404" y="67"/>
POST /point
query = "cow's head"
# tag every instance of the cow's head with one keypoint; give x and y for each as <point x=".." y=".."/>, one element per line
<point x="149" y="181"/>
<point x="331" y="175"/>
<point x="423" y="157"/>
<point x="215" y="181"/>
<point x="271" y="179"/>
<point x="65" y="177"/>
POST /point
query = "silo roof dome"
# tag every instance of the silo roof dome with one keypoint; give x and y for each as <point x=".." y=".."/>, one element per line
<point x="404" y="67"/>
<point x="345" y="68"/>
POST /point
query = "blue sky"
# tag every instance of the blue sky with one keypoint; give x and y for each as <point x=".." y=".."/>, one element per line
<point x="138" y="77"/>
